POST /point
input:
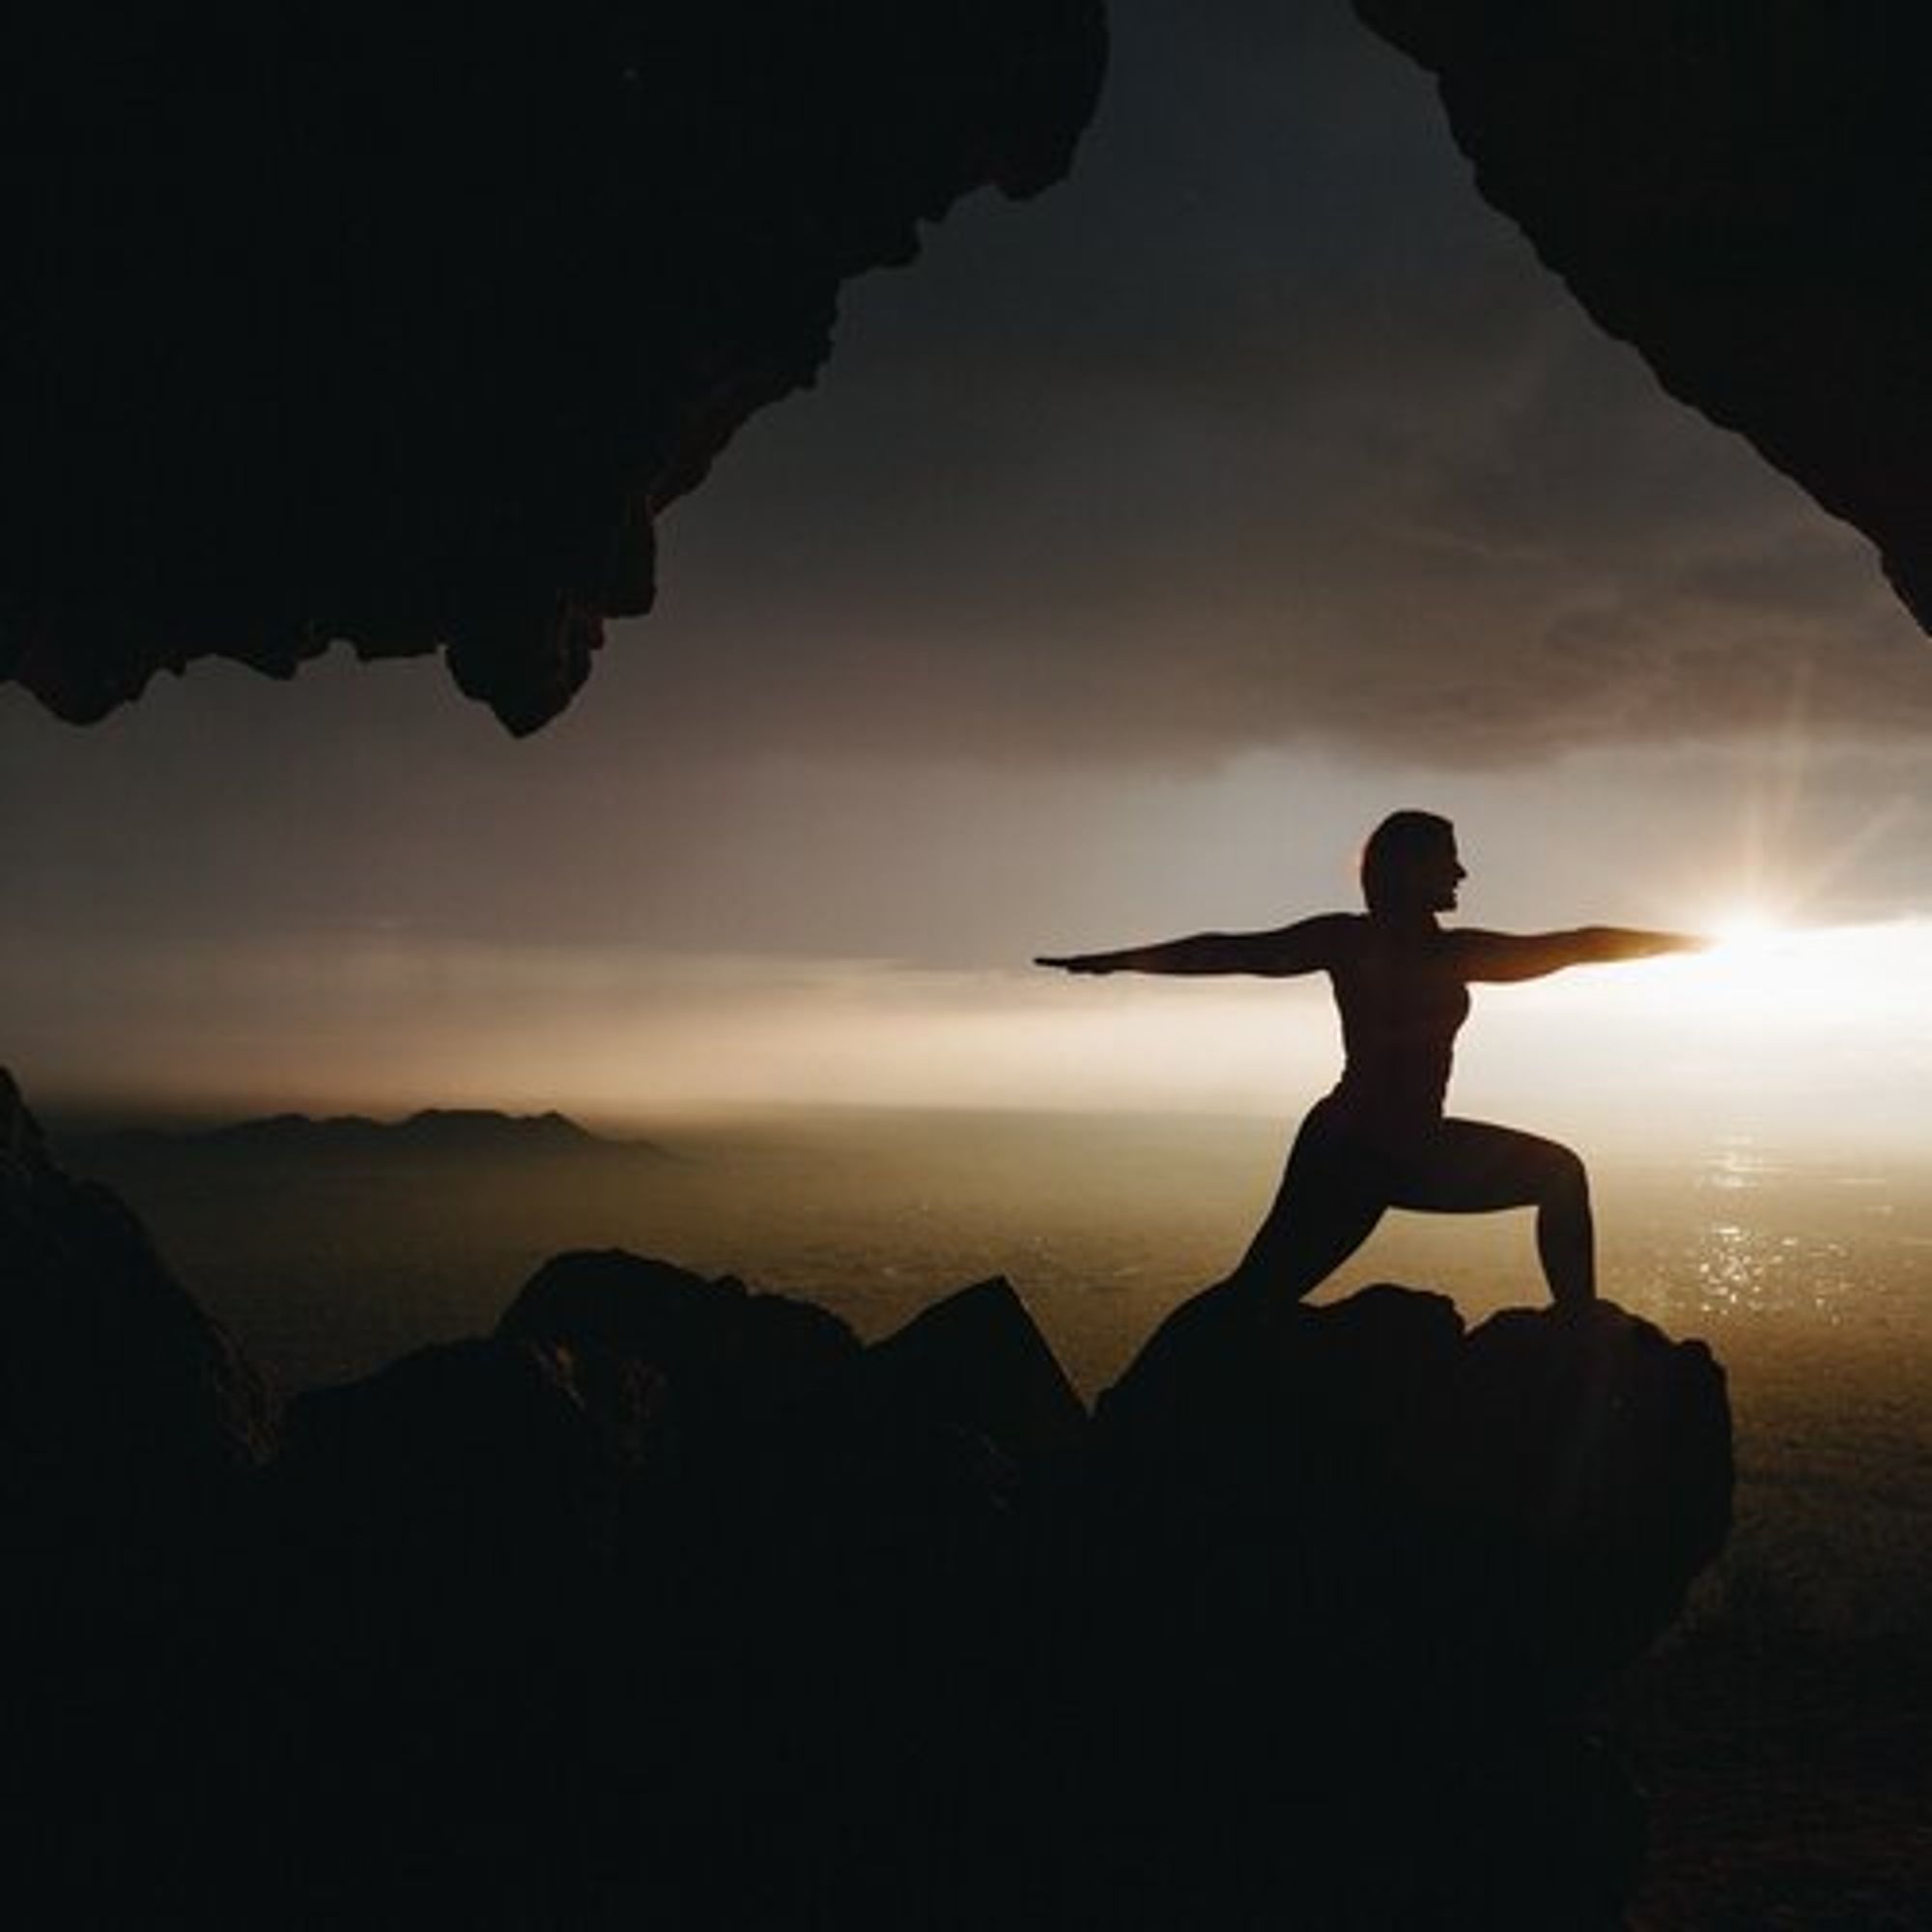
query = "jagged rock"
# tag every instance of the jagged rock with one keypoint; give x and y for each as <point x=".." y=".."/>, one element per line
<point x="831" y="1578"/>
<point x="1243" y="1405"/>
<point x="132" y="1434"/>
<point x="128" y="1417"/>
<point x="1359" y="1567"/>
<point x="474" y="1464"/>
<point x="718" y="1345"/>
<point x="1741" y="193"/>
<point x="975" y="1360"/>
<point x="1593" y="1456"/>
<point x="404" y="329"/>
<point x="1548" y="1486"/>
<point x="430" y="1623"/>
<point x="670" y="1600"/>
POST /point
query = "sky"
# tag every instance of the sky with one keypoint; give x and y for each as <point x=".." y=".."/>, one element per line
<point x="1141" y="546"/>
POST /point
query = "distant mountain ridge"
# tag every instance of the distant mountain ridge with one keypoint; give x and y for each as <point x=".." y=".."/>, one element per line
<point x="442" y="1132"/>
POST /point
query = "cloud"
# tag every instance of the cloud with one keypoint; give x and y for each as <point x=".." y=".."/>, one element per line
<point x="1264" y="432"/>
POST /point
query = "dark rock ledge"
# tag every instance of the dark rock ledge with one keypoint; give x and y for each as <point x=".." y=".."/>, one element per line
<point x="671" y="1601"/>
<point x="405" y="326"/>
<point x="1739" y="193"/>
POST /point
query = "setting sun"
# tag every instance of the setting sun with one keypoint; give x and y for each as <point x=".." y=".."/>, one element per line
<point x="1739" y="929"/>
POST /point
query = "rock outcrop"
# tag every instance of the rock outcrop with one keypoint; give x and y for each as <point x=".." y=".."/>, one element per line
<point x="403" y="328"/>
<point x="674" y="1601"/>
<point x="1741" y="193"/>
<point x="132" y="1434"/>
<point x="328" y="327"/>
<point x="1362" y="1568"/>
<point x="716" y="1342"/>
<point x="129" y="1420"/>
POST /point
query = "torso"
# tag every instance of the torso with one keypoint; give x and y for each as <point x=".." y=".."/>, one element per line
<point x="1403" y="999"/>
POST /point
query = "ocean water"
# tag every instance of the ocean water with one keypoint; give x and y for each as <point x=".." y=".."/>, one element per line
<point x="1810" y="1278"/>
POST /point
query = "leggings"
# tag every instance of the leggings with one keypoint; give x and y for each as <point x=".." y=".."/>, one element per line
<point x="1341" y="1178"/>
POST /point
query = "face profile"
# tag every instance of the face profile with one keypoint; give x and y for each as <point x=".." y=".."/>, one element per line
<point x="1410" y="864"/>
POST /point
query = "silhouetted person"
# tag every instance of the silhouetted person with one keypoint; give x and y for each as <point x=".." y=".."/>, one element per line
<point x="1381" y="1139"/>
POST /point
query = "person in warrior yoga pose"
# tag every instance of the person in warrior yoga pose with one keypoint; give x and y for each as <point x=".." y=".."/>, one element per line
<point x="1381" y="1139"/>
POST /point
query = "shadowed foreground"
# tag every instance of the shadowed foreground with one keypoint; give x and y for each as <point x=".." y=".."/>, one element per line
<point x="671" y="1602"/>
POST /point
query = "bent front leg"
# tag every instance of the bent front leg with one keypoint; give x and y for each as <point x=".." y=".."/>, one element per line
<point x="1470" y="1167"/>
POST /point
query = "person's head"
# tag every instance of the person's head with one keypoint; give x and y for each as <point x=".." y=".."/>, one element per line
<point x="1410" y="865"/>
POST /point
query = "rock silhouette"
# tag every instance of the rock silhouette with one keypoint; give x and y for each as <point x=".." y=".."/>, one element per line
<point x="131" y="1433"/>
<point x="327" y="327"/>
<point x="1372" y="1548"/>
<point x="1739" y="195"/>
<point x="466" y="1136"/>
<point x="129" y="1418"/>
<point x="329" y="324"/>
<point x="718" y="1344"/>
<point x="674" y="1601"/>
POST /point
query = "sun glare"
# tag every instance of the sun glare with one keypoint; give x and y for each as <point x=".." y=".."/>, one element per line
<point x="1813" y="1034"/>
<point x="1743" y="929"/>
<point x="1759" y="968"/>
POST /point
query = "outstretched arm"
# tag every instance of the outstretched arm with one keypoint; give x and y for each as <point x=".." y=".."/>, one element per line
<point x="1309" y="945"/>
<point x="1530" y="956"/>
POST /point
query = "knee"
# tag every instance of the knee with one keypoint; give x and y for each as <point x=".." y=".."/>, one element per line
<point x="1566" y="1181"/>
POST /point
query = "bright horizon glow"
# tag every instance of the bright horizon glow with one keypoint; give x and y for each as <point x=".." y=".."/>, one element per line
<point x="1743" y="929"/>
<point x="1813" y="1035"/>
<point x="1818" y="1036"/>
<point x="1815" y="978"/>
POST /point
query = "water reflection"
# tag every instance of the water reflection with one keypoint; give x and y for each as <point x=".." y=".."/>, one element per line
<point x="1739" y="1271"/>
<point x="1740" y="1164"/>
<point x="1765" y="1238"/>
